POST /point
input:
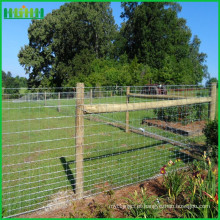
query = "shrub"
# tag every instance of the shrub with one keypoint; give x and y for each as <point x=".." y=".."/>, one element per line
<point x="211" y="133"/>
<point x="183" y="114"/>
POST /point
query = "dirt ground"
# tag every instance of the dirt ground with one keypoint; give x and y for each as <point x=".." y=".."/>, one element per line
<point x="191" y="129"/>
<point x="83" y="208"/>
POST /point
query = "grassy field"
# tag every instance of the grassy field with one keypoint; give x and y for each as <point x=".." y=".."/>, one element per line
<point x="39" y="142"/>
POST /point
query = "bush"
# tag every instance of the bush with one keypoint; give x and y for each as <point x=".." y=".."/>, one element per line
<point x="183" y="114"/>
<point x="211" y="133"/>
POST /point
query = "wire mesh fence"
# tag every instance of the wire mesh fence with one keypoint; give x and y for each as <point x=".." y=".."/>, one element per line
<point x="63" y="144"/>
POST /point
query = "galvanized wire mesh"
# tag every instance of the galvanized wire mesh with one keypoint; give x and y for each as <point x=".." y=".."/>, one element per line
<point x="39" y="136"/>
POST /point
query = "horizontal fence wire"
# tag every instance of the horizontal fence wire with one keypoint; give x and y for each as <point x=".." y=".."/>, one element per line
<point x="54" y="150"/>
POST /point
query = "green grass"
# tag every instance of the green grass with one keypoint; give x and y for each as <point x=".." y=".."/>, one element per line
<point x="32" y="170"/>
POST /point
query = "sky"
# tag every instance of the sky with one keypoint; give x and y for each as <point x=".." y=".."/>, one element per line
<point x="201" y="17"/>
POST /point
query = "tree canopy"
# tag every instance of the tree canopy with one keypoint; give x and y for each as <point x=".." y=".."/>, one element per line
<point x="80" y="42"/>
<point x="157" y="37"/>
<point x="211" y="80"/>
<point x="8" y="81"/>
<point x="63" y="44"/>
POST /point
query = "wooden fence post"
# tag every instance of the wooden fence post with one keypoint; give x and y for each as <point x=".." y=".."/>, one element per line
<point x="127" y="113"/>
<point x="90" y="96"/>
<point x="58" y="102"/>
<point x="213" y="102"/>
<point x="79" y="137"/>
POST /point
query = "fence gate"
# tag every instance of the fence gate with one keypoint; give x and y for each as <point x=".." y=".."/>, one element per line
<point x="63" y="144"/>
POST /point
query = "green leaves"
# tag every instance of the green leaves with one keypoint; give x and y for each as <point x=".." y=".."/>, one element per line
<point x="153" y="44"/>
<point x="65" y="42"/>
<point x="157" y="37"/>
<point x="8" y="81"/>
<point x="203" y="184"/>
<point x="140" y="205"/>
<point x="174" y="180"/>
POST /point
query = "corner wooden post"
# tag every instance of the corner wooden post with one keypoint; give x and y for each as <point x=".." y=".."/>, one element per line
<point x="79" y="138"/>
<point x="127" y="113"/>
<point x="90" y="96"/>
<point x="213" y="102"/>
<point x="58" y="102"/>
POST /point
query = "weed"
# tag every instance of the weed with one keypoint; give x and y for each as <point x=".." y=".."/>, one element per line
<point x="142" y="206"/>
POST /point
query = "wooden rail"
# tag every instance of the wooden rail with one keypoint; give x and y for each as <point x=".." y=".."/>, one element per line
<point x="135" y="95"/>
<point x="106" y="108"/>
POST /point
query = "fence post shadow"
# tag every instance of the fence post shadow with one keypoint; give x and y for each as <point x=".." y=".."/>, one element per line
<point x="69" y="173"/>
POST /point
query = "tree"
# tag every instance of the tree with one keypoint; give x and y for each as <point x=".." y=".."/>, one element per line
<point x="158" y="38"/>
<point x="12" y="83"/>
<point x="211" y="80"/>
<point x="80" y="42"/>
<point x="199" y="70"/>
<point x="62" y="45"/>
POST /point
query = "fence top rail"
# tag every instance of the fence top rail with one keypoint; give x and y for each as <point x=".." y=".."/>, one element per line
<point x="107" y="108"/>
<point x="156" y="96"/>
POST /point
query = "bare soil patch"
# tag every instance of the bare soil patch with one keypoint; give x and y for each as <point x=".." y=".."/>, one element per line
<point x="191" y="129"/>
<point x="84" y="207"/>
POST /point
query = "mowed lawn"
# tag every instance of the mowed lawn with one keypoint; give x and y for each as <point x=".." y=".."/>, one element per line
<point x="37" y="140"/>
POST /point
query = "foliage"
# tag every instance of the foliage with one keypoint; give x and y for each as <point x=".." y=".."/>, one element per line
<point x="211" y="80"/>
<point x="62" y="45"/>
<point x="173" y="180"/>
<point x="157" y="37"/>
<point x="8" y="81"/>
<point x="143" y="206"/>
<point x="211" y="134"/>
<point x="214" y="153"/>
<point x="110" y="72"/>
<point x="80" y="42"/>
<point x="202" y="191"/>
<point x="4" y="212"/>
<point x="11" y="84"/>
<point x="184" y="114"/>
